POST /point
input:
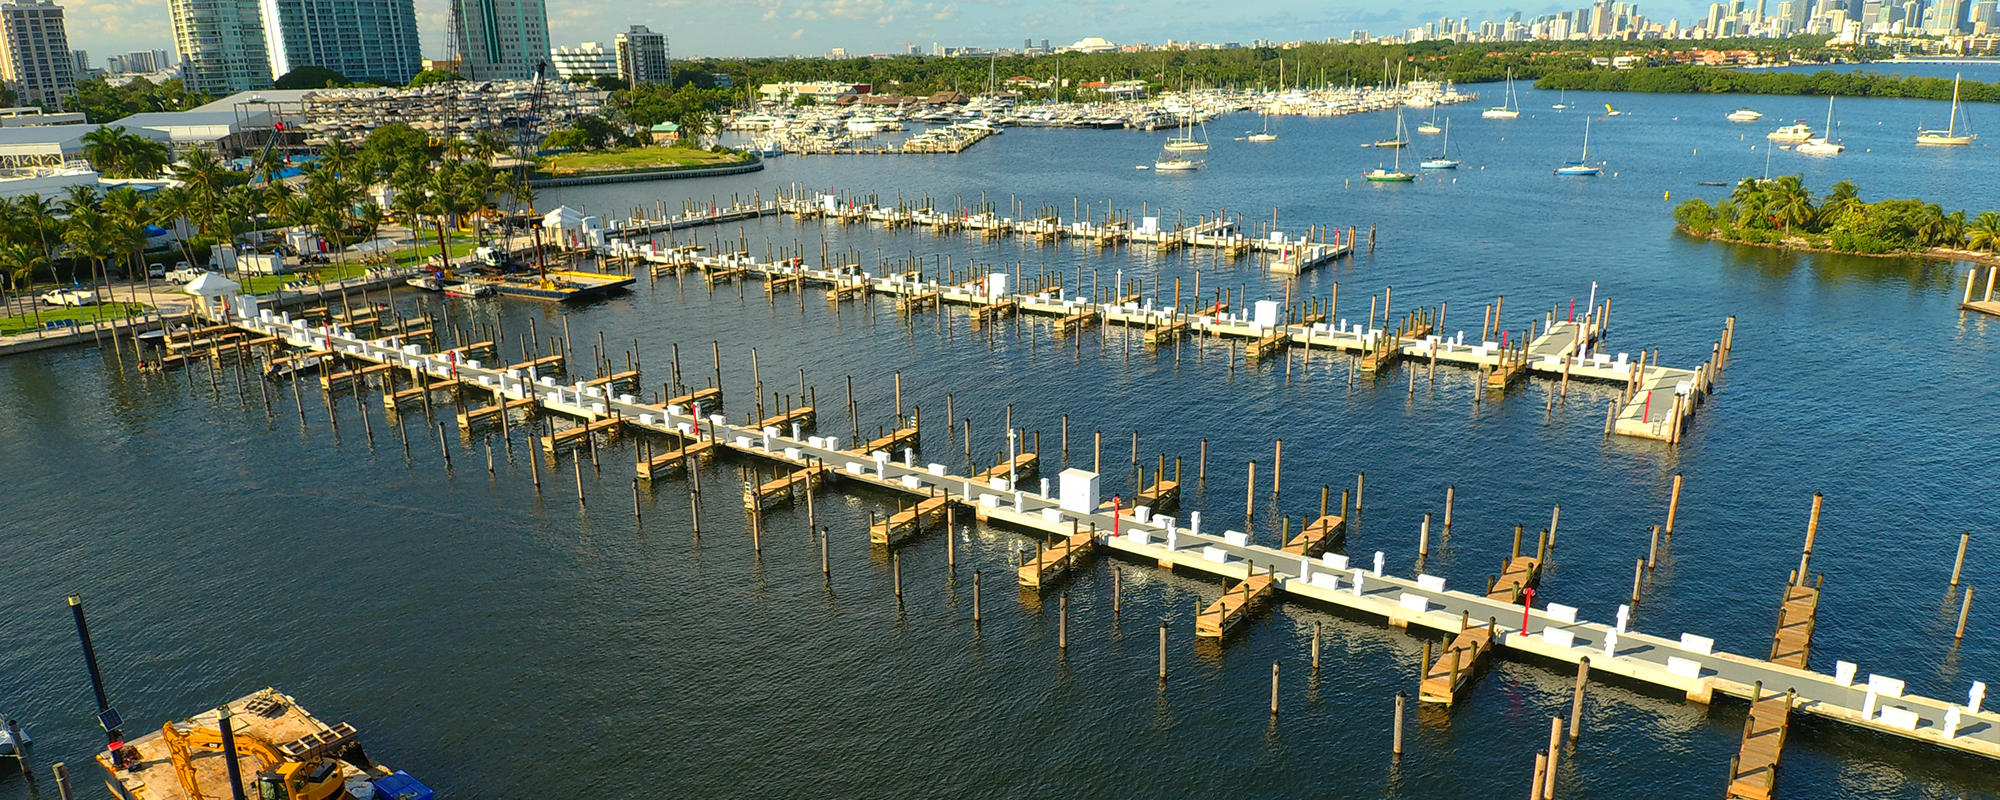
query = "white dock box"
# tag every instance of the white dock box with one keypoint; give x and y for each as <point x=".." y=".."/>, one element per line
<point x="1079" y="491"/>
<point x="1267" y="313"/>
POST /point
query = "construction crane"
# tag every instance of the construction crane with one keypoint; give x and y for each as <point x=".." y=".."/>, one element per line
<point x="524" y="144"/>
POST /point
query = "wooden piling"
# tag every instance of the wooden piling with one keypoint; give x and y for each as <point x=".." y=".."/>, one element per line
<point x="1163" y="651"/>
<point x="1555" y="747"/>
<point x="1396" y="744"/>
<point x="1360" y="478"/>
<point x="1673" y="505"/>
<point x="1277" y="467"/>
<point x="1315" y="646"/>
<point x="1958" y="566"/>
<point x="1576" y="700"/>
<point x="1964" y="610"/>
<point x="1274" y="689"/>
<point x="975" y="598"/>
<point x="1062" y="622"/>
<point x="1449" y="490"/>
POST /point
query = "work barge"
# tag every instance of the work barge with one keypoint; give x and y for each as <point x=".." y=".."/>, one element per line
<point x="1497" y="617"/>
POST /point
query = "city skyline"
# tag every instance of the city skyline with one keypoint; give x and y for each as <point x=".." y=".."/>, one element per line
<point x="814" y="27"/>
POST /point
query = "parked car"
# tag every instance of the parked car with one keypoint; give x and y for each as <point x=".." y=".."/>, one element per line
<point x="184" y="273"/>
<point x="156" y="270"/>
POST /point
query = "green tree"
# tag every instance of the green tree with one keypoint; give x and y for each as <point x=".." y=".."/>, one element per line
<point x="310" y="77"/>
<point x="1983" y="234"/>
<point x="431" y="77"/>
<point x="119" y="153"/>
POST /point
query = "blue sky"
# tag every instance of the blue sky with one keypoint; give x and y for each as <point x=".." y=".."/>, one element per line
<point x="770" y="27"/>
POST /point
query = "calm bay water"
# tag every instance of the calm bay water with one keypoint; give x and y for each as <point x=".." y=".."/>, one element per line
<point x="499" y="643"/>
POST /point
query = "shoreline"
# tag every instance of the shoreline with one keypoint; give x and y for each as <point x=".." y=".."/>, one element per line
<point x="1950" y="254"/>
<point x="660" y="174"/>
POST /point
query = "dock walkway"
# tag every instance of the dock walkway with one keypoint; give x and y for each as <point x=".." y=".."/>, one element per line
<point x="1687" y="663"/>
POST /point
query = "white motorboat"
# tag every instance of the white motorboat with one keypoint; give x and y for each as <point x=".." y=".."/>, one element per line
<point x="428" y="283"/>
<point x="1791" y="134"/>
<point x="469" y="290"/>
<point x="1744" y="115"/>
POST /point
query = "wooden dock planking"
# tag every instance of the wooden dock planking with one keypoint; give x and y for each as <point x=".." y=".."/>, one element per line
<point x="1318" y="536"/>
<point x="1268" y="345"/>
<point x="803" y="415"/>
<point x="1078" y="321"/>
<point x="1791" y="645"/>
<point x="891" y="442"/>
<point x="911" y="304"/>
<point x="629" y="377"/>
<point x="1162" y="496"/>
<point x="608" y="426"/>
<point x="555" y="361"/>
<point x="1166" y="333"/>
<point x="1056" y="560"/>
<point x="346" y="377"/>
<point x="395" y="400"/>
<point x="1454" y="669"/>
<point x="1234" y="606"/>
<point x="782" y="489"/>
<point x="908" y="522"/>
<point x="1022" y="467"/>
<point x="710" y="399"/>
<point x="985" y="313"/>
<point x="1517" y="574"/>
<point x="674" y="459"/>
<point x="471" y="415"/>
<point x="1754" y="771"/>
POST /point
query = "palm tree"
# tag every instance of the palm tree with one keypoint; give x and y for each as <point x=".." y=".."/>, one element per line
<point x="1983" y="234"/>
<point x="19" y="260"/>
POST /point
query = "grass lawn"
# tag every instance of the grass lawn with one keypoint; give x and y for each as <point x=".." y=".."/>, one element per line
<point x="266" y="284"/>
<point x="635" y="158"/>
<point x="27" y="323"/>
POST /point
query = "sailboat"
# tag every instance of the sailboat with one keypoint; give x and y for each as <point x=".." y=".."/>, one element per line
<point x="1397" y="141"/>
<point x="1264" y="135"/>
<point x="1443" y="160"/>
<point x="1186" y="143"/>
<point x="1562" y="102"/>
<point x="1430" y="127"/>
<point x="1823" y="145"/>
<point x="1612" y="112"/>
<point x="1396" y="174"/>
<point x="1508" y="110"/>
<point x="1950" y="134"/>
<point x="1582" y="166"/>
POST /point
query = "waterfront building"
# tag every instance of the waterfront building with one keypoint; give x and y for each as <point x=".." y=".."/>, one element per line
<point x="35" y="58"/>
<point x="582" y="63"/>
<point x="642" y="56"/>
<point x="221" y="45"/>
<point x="502" y="39"/>
<point x="375" y="39"/>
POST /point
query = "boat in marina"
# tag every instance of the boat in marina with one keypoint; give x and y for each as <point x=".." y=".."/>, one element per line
<point x="1582" y="166"/>
<point x="1185" y="141"/>
<point x="9" y="747"/>
<point x="1794" y="133"/>
<point x="1399" y="140"/>
<point x="1612" y="112"/>
<point x="1443" y="159"/>
<point x="1950" y="136"/>
<point x="1562" y="101"/>
<point x="297" y="365"/>
<point x="428" y="283"/>
<point x="1174" y="162"/>
<point x="1264" y="135"/>
<point x="469" y="290"/>
<point x="1824" y="145"/>
<point x="1744" y="115"/>
<point x="1430" y="127"/>
<point x="1508" y="109"/>
<point x="1395" y="173"/>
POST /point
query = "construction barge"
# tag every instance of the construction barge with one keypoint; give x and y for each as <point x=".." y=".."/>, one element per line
<point x="264" y="743"/>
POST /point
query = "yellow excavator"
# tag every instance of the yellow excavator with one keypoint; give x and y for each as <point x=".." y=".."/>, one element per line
<point x="281" y="779"/>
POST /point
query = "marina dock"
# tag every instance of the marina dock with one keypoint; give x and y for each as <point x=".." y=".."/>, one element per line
<point x="1985" y="304"/>
<point x="1687" y="664"/>
<point x="1655" y="403"/>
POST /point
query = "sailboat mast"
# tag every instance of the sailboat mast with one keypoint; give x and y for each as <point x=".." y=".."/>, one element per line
<point x="1951" y="128"/>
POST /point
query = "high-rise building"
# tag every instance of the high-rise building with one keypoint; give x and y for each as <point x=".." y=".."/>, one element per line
<point x="221" y="45"/>
<point x="374" y="39"/>
<point x="502" y="39"/>
<point x="584" y="62"/>
<point x="642" y="56"/>
<point x="35" y="59"/>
